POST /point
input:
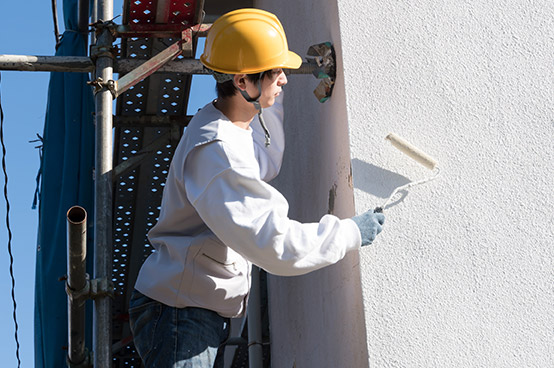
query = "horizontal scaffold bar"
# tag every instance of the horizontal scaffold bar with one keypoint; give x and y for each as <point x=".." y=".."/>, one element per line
<point x="83" y="64"/>
<point x="31" y="63"/>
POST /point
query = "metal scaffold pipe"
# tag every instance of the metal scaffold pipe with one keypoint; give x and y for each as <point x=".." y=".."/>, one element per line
<point x="83" y="10"/>
<point x="33" y="63"/>
<point x="84" y="64"/>
<point x="102" y="315"/>
<point x="76" y="283"/>
<point x="255" y="352"/>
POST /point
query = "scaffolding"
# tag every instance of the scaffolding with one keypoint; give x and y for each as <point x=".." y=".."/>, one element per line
<point x="155" y="62"/>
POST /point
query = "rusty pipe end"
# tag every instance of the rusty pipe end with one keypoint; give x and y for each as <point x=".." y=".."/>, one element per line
<point x="76" y="215"/>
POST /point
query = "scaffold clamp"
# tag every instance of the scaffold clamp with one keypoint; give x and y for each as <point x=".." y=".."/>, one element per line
<point x="97" y="51"/>
<point x="102" y="51"/>
<point x="93" y="289"/>
<point x="99" y="85"/>
<point x="100" y="288"/>
<point x="322" y="56"/>
<point x="99" y="26"/>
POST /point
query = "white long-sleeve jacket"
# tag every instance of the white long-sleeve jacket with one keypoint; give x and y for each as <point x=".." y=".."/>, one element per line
<point x="219" y="215"/>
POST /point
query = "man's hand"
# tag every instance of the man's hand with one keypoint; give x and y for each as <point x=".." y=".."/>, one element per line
<point x="370" y="224"/>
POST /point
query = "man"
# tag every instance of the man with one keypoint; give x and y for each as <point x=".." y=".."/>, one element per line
<point x="218" y="214"/>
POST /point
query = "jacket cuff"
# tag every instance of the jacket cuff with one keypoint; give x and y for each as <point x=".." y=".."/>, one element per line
<point x="355" y="238"/>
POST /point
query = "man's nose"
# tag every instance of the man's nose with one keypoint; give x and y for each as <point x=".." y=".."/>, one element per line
<point x="282" y="79"/>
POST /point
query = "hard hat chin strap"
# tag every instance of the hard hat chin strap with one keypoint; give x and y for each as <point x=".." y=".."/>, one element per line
<point x="258" y="107"/>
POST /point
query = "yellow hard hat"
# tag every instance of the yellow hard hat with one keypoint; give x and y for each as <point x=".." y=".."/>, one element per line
<point x="248" y="41"/>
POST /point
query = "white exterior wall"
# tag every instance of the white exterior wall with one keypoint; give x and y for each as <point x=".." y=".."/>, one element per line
<point x="463" y="273"/>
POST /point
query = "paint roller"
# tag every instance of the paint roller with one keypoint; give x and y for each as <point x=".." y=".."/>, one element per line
<point x="416" y="154"/>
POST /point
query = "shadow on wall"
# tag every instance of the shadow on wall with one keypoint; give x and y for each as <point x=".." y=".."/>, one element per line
<point x="378" y="182"/>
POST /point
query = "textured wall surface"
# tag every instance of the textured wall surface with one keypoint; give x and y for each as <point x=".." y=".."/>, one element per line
<point x="462" y="275"/>
<point x="316" y="319"/>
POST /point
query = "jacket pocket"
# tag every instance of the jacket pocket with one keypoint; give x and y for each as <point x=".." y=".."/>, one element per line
<point x="229" y="266"/>
<point x="220" y="277"/>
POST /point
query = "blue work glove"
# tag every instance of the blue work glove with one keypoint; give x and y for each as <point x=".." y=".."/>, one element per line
<point x="370" y="224"/>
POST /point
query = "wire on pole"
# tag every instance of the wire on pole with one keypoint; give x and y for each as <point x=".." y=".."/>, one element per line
<point x="9" y="228"/>
<point x="55" y="16"/>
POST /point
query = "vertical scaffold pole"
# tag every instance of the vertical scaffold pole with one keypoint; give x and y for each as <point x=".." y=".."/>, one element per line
<point x="76" y="283"/>
<point x="255" y="352"/>
<point x="84" y="8"/>
<point x="102" y="331"/>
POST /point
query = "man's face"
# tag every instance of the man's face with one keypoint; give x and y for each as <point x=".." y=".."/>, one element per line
<point x="271" y="84"/>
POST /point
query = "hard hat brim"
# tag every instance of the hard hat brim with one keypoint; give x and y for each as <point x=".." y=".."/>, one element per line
<point x="292" y="61"/>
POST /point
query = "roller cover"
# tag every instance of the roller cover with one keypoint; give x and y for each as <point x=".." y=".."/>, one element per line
<point x="412" y="151"/>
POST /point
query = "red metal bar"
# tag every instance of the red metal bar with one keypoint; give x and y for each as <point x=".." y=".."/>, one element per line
<point x="148" y="67"/>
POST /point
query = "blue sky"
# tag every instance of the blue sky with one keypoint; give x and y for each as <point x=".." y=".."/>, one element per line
<point x="26" y="28"/>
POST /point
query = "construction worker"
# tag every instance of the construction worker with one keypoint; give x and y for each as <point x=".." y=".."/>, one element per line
<point x="218" y="215"/>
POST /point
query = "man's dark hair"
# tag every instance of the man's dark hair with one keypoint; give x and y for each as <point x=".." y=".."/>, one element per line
<point x="228" y="89"/>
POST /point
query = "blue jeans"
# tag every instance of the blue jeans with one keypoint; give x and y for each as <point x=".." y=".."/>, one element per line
<point x="172" y="337"/>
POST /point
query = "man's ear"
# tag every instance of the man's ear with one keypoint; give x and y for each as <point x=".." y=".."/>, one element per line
<point x="239" y="81"/>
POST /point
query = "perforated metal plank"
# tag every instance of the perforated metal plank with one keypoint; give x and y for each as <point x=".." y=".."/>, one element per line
<point x="163" y="11"/>
<point x="137" y="199"/>
<point x="137" y="191"/>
